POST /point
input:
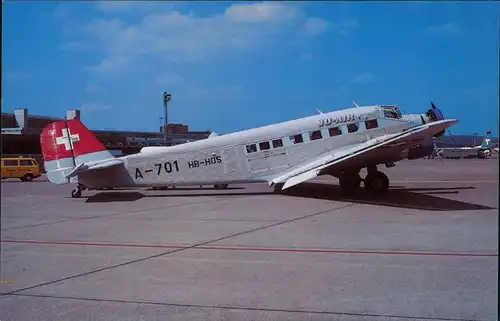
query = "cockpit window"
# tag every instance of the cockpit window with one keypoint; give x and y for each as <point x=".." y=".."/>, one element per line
<point x="391" y="112"/>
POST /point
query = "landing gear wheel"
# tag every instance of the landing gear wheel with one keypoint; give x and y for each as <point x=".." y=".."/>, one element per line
<point x="76" y="193"/>
<point x="376" y="183"/>
<point x="27" y="178"/>
<point x="349" y="183"/>
<point x="220" y="186"/>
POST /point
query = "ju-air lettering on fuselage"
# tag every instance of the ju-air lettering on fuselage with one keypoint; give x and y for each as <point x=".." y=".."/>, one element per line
<point x="159" y="169"/>
<point x="216" y="159"/>
<point x="336" y="120"/>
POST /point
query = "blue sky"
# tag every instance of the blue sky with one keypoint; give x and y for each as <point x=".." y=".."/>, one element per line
<point x="232" y="66"/>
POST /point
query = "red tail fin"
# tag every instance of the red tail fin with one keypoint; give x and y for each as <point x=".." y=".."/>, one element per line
<point x="67" y="143"/>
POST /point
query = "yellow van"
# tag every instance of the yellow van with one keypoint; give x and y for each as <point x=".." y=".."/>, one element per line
<point x="24" y="168"/>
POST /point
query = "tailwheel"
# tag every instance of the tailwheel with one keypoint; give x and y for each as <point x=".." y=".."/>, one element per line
<point x="349" y="182"/>
<point x="376" y="183"/>
<point x="76" y="193"/>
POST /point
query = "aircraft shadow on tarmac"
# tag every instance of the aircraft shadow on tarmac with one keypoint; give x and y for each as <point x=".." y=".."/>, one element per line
<point x="197" y="189"/>
<point x="397" y="196"/>
<point x="20" y="182"/>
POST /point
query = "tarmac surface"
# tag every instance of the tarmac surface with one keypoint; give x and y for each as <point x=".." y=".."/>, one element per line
<point x="426" y="251"/>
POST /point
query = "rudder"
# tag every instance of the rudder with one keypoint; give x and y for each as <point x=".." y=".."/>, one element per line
<point x="66" y="144"/>
<point x="487" y="141"/>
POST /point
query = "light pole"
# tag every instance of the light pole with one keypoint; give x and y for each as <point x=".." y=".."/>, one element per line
<point x="474" y="139"/>
<point x="166" y="99"/>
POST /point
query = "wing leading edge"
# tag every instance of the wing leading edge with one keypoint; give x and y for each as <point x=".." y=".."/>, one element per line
<point x="314" y="168"/>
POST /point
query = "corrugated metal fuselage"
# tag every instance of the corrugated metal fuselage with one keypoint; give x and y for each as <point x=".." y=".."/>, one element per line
<point x="226" y="158"/>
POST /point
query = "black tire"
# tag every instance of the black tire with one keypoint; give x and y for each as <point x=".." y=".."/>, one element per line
<point x="76" y="193"/>
<point x="349" y="183"/>
<point x="27" y="178"/>
<point x="376" y="183"/>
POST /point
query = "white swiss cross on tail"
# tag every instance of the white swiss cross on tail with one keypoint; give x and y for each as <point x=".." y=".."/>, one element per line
<point x="67" y="139"/>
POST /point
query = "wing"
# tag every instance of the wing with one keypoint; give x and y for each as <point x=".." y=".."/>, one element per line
<point x="356" y="153"/>
<point x="94" y="166"/>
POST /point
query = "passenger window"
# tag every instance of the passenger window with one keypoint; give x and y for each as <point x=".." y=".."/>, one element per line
<point x="10" y="162"/>
<point x="315" y="135"/>
<point x="335" y="131"/>
<point x="264" y="145"/>
<point x="351" y="128"/>
<point x="370" y="124"/>
<point x="296" y="139"/>
<point x="25" y="162"/>
<point x="277" y="143"/>
<point x="251" y="148"/>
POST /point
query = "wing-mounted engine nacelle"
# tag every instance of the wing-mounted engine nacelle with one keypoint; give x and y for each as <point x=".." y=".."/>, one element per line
<point x="425" y="148"/>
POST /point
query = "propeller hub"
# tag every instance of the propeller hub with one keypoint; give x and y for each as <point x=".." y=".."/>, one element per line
<point x="433" y="114"/>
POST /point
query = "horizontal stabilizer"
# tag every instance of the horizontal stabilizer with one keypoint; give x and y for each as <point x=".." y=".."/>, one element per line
<point x="93" y="166"/>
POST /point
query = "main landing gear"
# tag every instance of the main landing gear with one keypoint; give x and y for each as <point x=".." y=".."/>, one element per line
<point x="375" y="182"/>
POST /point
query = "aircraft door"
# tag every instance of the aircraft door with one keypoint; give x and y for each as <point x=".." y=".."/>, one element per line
<point x="267" y="157"/>
<point x="231" y="164"/>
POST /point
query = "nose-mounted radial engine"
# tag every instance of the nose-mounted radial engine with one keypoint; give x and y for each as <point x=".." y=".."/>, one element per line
<point x="433" y="114"/>
<point x="427" y="147"/>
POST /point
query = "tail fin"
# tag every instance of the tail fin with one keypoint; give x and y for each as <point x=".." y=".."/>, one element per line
<point x="487" y="141"/>
<point x="67" y="144"/>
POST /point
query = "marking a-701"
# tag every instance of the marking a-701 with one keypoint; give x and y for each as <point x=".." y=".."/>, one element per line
<point x="166" y="167"/>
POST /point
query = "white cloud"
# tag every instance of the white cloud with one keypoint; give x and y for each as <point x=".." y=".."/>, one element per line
<point x="217" y="94"/>
<point x="445" y="29"/>
<point x="176" y="36"/>
<point x="121" y="7"/>
<point x="62" y="10"/>
<point x="261" y="12"/>
<point x="481" y="91"/>
<point x="169" y="79"/>
<point x="94" y="107"/>
<point x="17" y="76"/>
<point x="110" y="65"/>
<point x="307" y="56"/>
<point x="314" y="26"/>
<point x="77" y="46"/>
<point x="92" y="88"/>
<point x="346" y="26"/>
<point x="115" y="6"/>
<point x="364" y="78"/>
